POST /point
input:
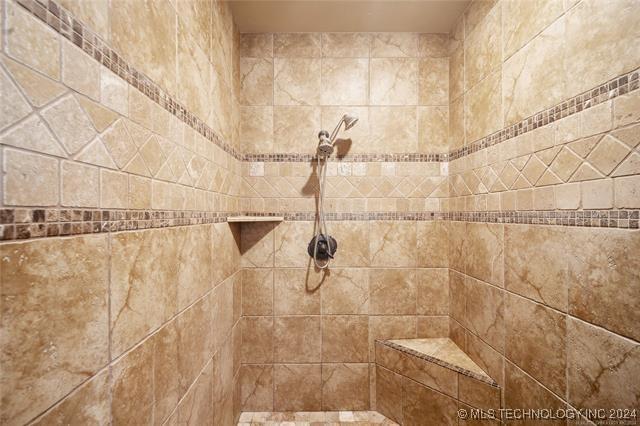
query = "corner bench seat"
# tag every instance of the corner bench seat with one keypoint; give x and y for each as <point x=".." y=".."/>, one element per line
<point x="426" y="381"/>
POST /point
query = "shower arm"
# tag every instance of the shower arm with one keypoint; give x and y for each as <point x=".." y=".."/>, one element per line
<point x="334" y="134"/>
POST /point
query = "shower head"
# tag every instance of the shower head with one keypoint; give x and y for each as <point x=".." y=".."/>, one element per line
<point x="325" y="145"/>
<point x="349" y="121"/>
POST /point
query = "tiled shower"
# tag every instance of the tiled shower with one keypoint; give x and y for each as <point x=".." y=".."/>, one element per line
<point x="160" y="186"/>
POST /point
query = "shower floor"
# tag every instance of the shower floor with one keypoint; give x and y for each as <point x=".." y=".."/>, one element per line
<point x="314" y="418"/>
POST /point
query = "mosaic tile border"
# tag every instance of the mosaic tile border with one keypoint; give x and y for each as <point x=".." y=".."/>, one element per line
<point x="64" y="23"/>
<point x="438" y="361"/>
<point x="622" y="218"/>
<point x="355" y="158"/>
<point x="26" y="223"/>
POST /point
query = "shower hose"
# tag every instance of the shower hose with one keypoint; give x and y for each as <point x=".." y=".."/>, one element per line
<point x="322" y="224"/>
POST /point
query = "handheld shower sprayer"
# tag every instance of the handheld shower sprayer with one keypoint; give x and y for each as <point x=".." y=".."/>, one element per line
<point x="326" y="141"/>
<point x="322" y="246"/>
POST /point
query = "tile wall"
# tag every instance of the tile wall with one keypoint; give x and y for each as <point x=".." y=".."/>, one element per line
<point x="181" y="323"/>
<point x="112" y="327"/>
<point x="549" y="312"/>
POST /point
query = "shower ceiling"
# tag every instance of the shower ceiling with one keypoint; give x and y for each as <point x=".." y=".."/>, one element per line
<point x="426" y="16"/>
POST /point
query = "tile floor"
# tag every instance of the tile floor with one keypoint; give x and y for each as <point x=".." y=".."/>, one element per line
<point x="315" y="418"/>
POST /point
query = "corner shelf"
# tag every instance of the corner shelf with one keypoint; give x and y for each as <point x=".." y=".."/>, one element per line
<point x="248" y="219"/>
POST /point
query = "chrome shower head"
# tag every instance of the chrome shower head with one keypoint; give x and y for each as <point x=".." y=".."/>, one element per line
<point x="325" y="144"/>
<point x="349" y="121"/>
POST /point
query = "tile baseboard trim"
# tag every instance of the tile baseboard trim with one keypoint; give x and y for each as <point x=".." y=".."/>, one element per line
<point x="64" y="23"/>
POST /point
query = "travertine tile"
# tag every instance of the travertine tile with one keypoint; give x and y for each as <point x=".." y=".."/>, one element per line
<point x="345" y="45"/>
<point x="100" y="117"/>
<point x="80" y="71"/>
<point x="257" y="292"/>
<point x="166" y="372"/>
<point x="433" y="82"/>
<point x="478" y="394"/>
<point x="38" y="89"/>
<point x="257" y="45"/>
<point x="193" y="263"/>
<point x="143" y="284"/>
<point x="69" y="345"/>
<point x="482" y="48"/>
<point x="114" y="92"/>
<point x="69" y="123"/>
<point x="484" y="251"/>
<point x="297" y="339"/>
<point x="114" y="192"/>
<point x="432" y="326"/>
<point x="256" y="387"/>
<point x="485" y="312"/>
<point x="536" y="341"/>
<point x="256" y="78"/>
<point x="80" y="185"/>
<point x="394" y="45"/>
<point x="88" y="404"/>
<point x="609" y="40"/>
<point x="395" y="81"/>
<point x="383" y="327"/>
<point x="421" y="404"/>
<point x="295" y="292"/>
<point x="432" y="291"/>
<point x="132" y="386"/>
<point x="346" y="291"/>
<point x="600" y="269"/>
<point x="522" y="21"/>
<point x="393" y="243"/>
<point x="476" y="13"/>
<point x="602" y="367"/>
<point x="294" y="127"/>
<point x="480" y="106"/>
<point x="433" y="45"/>
<point x="433" y="244"/>
<point x="433" y="129"/>
<point x="30" y="179"/>
<point x="485" y="357"/>
<point x="95" y="14"/>
<point x="257" y="339"/>
<point x="456" y="124"/>
<point x="626" y="109"/>
<point x="393" y="129"/>
<point x="296" y="45"/>
<point x="353" y="246"/>
<point x="345" y="386"/>
<point x="597" y="194"/>
<point x="31" y="42"/>
<point x="536" y="264"/>
<point x="345" y="338"/>
<point x="627" y="192"/>
<point x="392" y="291"/>
<point x="345" y="82"/>
<point x="153" y="25"/>
<point x="256" y="129"/>
<point x="196" y="408"/>
<point x="296" y="81"/>
<point x="297" y="387"/>
<point x="288" y="250"/>
<point x="522" y="391"/>
<point x="389" y="393"/>
<point x="354" y="140"/>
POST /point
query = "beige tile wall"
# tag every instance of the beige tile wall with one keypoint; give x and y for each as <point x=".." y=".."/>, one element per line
<point x="127" y="327"/>
<point x="511" y="59"/>
<point x="308" y="337"/>
<point x="546" y="314"/>
<point x="295" y="84"/>
<point x="534" y="305"/>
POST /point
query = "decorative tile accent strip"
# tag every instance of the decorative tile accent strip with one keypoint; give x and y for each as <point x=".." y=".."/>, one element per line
<point x="356" y="158"/>
<point x="624" y="219"/>
<point x="24" y="223"/>
<point x="63" y="22"/>
<point x="613" y="88"/>
<point x="439" y="361"/>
